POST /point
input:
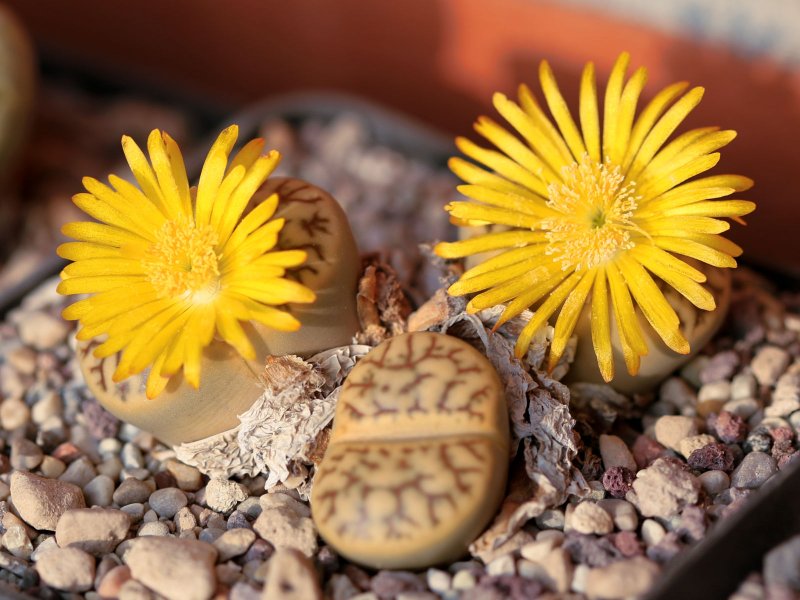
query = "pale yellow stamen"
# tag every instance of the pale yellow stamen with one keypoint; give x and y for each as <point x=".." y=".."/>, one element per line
<point x="182" y="262"/>
<point x="595" y="218"/>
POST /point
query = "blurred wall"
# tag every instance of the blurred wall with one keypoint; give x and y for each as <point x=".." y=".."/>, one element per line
<point x="440" y="60"/>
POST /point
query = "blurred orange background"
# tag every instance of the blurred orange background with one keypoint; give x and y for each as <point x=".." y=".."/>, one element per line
<point x="440" y="61"/>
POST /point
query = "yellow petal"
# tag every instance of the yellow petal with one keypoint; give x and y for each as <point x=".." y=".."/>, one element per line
<point x="655" y="307"/>
<point x="533" y="179"/>
<point x="590" y="120"/>
<point x="648" y="117"/>
<point x="488" y="242"/>
<point x="547" y="142"/>
<point x="611" y="103"/>
<point x="213" y="172"/>
<point x="663" y="129"/>
<point x="560" y="111"/>
<point x="568" y="317"/>
<point x="543" y="313"/>
<point x="601" y="327"/>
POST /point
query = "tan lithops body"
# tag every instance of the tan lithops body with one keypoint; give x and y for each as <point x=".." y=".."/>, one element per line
<point x="315" y="223"/>
<point x="417" y="462"/>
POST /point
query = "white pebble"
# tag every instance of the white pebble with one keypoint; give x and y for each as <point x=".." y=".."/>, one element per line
<point x="502" y="565"/>
<point x="652" y="532"/>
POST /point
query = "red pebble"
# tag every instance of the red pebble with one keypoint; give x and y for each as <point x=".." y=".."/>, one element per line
<point x="618" y="481"/>
<point x="67" y="452"/>
<point x="730" y="428"/>
<point x="627" y="543"/>
<point x="646" y="450"/>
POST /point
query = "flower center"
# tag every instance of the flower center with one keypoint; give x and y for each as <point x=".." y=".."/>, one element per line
<point x="182" y="261"/>
<point x="595" y="215"/>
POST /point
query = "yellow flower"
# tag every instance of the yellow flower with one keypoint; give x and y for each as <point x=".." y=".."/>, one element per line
<point x="168" y="266"/>
<point x="593" y="217"/>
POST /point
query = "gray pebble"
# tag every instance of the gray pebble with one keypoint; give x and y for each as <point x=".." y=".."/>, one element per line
<point x="754" y="470"/>
<point x="132" y="490"/>
<point x="168" y="501"/>
<point x="99" y="491"/>
<point x="25" y="455"/>
<point x="132" y="457"/>
<point x="134" y="510"/>
<point x="714" y="482"/>
<point x="79" y="472"/>
<point x="551" y="519"/>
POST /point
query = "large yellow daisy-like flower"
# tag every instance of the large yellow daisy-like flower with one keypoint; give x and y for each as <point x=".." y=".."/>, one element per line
<point x="168" y="266"/>
<point x="594" y="216"/>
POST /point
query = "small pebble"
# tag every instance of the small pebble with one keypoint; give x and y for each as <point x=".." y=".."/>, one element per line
<point x="622" y="579"/>
<point x="589" y="518"/>
<point x="233" y="543"/>
<point x="719" y="391"/>
<point x="66" y="569"/>
<point x="186" y="477"/>
<point x="51" y="467"/>
<point x="174" y="568"/>
<point x="41" y="501"/>
<point x="167" y="502"/>
<point x="670" y="430"/>
<point x="689" y="444"/>
<point x="714" y="482"/>
<point x="25" y="455"/>
<point x="93" y="530"/>
<point x="615" y="453"/>
<point x="17" y="542"/>
<point x="622" y="513"/>
<point x="79" y="472"/>
<point x="14" y="413"/>
<point x="132" y="491"/>
<point x="769" y="363"/>
<point x="743" y="386"/>
<point x="718" y="457"/>
<point x="154" y="528"/>
<point x="677" y="392"/>
<point x="42" y="331"/>
<point x="464" y="580"/>
<point x="754" y="470"/>
<point x="663" y="489"/>
<point x="291" y="576"/>
<point x="652" y="532"/>
<point x="551" y="519"/>
<point x="113" y="580"/>
<point x="99" y="491"/>
<point x="222" y="494"/>
<point x="730" y="427"/>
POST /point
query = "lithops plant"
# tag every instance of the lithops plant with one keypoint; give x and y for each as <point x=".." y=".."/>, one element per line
<point x="416" y="465"/>
<point x="194" y="289"/>
<point x="599" y="222"/>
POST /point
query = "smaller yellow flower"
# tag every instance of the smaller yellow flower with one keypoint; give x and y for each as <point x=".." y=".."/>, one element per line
<point x="593" y="215"/>
<point x="169" y="266"/>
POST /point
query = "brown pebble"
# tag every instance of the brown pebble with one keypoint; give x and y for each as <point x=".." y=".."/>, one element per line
<point x="165" y="479"/>
<point x="646" y="450"/>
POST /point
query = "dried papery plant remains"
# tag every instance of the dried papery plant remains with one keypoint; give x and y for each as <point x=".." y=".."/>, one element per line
<point x="595" y="212"/>
<point x="169" y="266"/>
